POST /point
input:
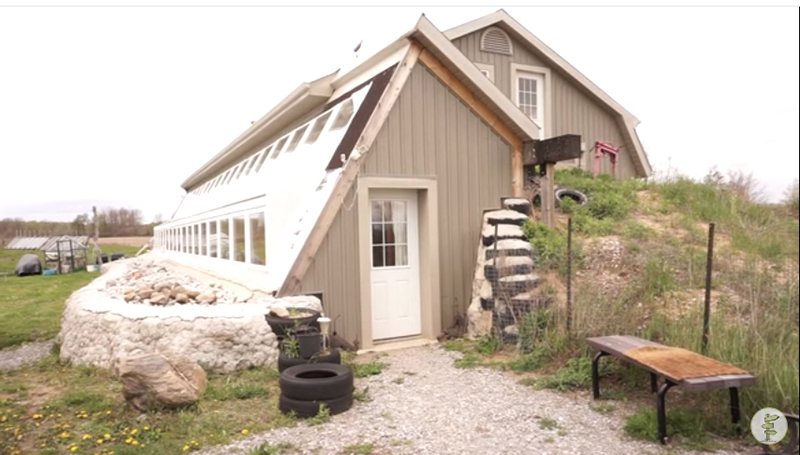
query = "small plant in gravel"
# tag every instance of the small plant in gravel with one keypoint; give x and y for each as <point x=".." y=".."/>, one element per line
<point x="323" y="416"/>
<point x="270" y="449"/>
<point x="603" y="407"/>
<point x="575" y="375"/>
<point x="362" y="370"/>
<point x="398" y="380"/>
<point x="358" y="449"/>
<point x="546" y="423"/>
<point x="362" y="395"/>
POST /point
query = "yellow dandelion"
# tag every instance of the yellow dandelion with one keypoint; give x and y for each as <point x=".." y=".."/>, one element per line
<point x="99" y="441"/>
<point x="107" y="436"/>
<point x="128" y="441"/>
<point x="3" y="419"/>
<point x="245" y="431"/>
<point x="86" y="437"/>
<point x="135" y="442"/>
<point x="134" y="431"/>
<point x="73" y="449"/>
<point x="185" y="448"/>
<point x="146" y="428"/>
<point x="108" y="413"/>
<point x="64" y="435"/>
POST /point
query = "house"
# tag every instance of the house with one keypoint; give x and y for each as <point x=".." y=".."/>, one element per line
<point x="368" y="185"/>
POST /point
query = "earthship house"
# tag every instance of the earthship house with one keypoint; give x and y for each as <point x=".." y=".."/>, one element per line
<point x="373" y="186"/>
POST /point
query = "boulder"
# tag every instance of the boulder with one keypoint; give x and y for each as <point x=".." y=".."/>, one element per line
<point x="154" y="379"/>
<point x="158" y="298"/>
<point x="182" y="298"/>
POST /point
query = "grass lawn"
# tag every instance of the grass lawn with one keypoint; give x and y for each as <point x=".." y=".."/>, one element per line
<point x="31" y="306"/>
<point x="48" y="408"/>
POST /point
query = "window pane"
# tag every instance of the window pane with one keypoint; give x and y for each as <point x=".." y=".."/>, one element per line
<point x="296" y="139"/>
<point x="278" y="148"/>
<point x="399" y="210"/>
<point x="377" y="212"/>
<point x="224" y="237"/>
<point x="319" y="124"/>
<point x="401" y="254"/>
<point x="203" y="240"/>
<point x="261" y="160"/>
<point x="377" y="234"/>
<point x="400" y="233"/>
<point x="390" y="256"/>
<point x="195" y="238"/>
<point x="238" y="238"/>
<point x="213" y="235"/>
<point x="344" y="115"/>
<point x="388" y="232"/>
<point x="258" y="245"/>
<point x="377" y="256"/>
<point x="387" y="211"/>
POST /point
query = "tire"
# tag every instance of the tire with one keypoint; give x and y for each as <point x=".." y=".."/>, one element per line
<point x="307" y="409"/>
<point x="321" y="381"/>
<point x="569" y="193"/>
<point x="279" y="325"/>
<point x="285" y="362"/>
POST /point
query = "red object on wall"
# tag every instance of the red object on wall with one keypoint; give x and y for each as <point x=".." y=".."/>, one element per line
<point x="601" y="149"/>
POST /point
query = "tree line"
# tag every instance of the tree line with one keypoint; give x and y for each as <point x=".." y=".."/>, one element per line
<point x="112" y="222"/>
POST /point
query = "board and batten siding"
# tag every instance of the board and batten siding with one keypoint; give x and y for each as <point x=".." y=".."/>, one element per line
<point x="573" y="110"/>
<point x="431" y="133"/>
<point x="334" y="272"/>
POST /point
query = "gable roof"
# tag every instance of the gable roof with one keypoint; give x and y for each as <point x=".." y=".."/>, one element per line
<point x="503" y="20"/>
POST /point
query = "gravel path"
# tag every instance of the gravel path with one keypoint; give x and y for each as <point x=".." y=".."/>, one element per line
<point x="28" y="353"/>
<point x="422" y="404"/>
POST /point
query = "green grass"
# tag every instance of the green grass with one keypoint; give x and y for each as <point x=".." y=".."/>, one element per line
<point x="31" y="306"/>
<point x="82" y="401"/>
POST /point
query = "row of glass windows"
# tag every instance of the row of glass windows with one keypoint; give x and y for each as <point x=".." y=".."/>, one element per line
<point x="240" y="238"/>
<point x="287" y="144"/>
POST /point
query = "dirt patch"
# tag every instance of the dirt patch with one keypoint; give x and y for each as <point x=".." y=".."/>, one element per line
<point x="127" y="241"/>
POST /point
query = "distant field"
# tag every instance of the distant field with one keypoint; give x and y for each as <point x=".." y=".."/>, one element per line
<point x="31" y="306"/>
<point x="129" y="241"/>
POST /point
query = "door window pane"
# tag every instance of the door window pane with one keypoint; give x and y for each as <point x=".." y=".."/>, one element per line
<point x="203" y="240"/>
<point x="389" y="233"/>
<point x="258" y="244"/>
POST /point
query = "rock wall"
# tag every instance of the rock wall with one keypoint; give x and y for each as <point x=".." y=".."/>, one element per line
<point x="99" y="327"/>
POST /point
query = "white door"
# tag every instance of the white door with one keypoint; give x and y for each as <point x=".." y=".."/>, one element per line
<point x="394" y="252"/>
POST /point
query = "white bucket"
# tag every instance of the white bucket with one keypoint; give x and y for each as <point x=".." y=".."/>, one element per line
<point x="91" y="268"/>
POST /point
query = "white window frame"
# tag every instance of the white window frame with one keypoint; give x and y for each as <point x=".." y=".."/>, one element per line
<point x="544" y="96"/>
<point x="487" y="70"/>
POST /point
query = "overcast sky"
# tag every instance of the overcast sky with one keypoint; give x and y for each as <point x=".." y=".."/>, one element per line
<point x="117" y="106"/>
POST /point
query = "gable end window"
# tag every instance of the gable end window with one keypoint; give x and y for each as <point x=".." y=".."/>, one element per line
<point x="496" y="41"/>
<point x="531" y="93"/>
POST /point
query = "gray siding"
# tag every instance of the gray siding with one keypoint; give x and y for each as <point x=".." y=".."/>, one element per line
<point x="431" y="133"/>
<point x="573" y="110"/>
<point x="335" y="272"/>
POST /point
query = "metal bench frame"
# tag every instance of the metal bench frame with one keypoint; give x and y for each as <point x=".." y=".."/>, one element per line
<point x="616" y="345"/>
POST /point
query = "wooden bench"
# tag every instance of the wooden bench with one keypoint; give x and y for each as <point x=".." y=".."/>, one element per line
<point x="617" y="345"/>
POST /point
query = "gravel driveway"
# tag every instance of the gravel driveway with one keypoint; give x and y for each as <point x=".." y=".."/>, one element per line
<point x="422" y="404"/>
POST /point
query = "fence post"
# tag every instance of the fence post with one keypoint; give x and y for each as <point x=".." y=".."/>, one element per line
<point x="707" y="303"/>
<point x="569" y="276"/>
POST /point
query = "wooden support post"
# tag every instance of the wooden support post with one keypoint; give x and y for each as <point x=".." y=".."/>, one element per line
<point x="517" y="172"/>
<point x="548" y="196"/>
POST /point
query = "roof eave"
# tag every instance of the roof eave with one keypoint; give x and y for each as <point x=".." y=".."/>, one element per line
<point x="304" y="98"/>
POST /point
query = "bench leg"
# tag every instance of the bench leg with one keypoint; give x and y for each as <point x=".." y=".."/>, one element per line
<point x="596" y="374"/>
<point x="661" y="410"/>
<point x="653" y="383"/>
<point x="735" y="414"/>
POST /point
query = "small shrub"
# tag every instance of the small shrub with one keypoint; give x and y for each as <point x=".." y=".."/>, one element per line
<point x="577" y="373"/>
<point x="362" y="370"/>
<point x="549" y="245"/>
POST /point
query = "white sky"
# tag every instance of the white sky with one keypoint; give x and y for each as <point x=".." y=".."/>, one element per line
<point x="116" y="106"/>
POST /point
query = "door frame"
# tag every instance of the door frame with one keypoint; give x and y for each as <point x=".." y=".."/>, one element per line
<point x="427" y="218"/>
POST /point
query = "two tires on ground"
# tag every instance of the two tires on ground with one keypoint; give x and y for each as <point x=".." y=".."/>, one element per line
<point x="307" y="387"/>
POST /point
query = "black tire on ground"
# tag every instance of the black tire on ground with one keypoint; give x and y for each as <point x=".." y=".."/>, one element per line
<point x="569" y="193"/>
<point x="285" y="362"/>
<point x="280" y="325"/>
<point x="306" y="409"/>
<point x="320" y="381"/>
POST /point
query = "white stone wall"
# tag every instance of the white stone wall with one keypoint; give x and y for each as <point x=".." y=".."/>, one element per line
<point x="98" y="329"/>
